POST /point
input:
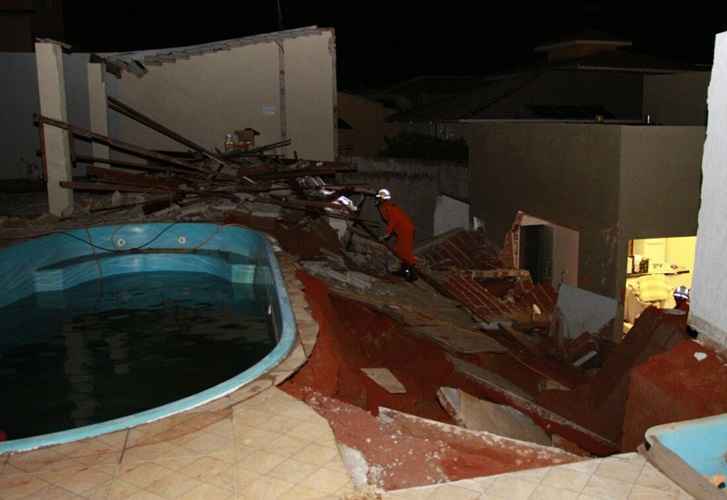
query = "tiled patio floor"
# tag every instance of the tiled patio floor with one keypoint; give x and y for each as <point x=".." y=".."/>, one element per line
<point x="269" y="446"/>
<point x="620" y="477"/>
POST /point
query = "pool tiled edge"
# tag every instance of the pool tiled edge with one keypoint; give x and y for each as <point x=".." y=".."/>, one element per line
<point x="277" y="277"/>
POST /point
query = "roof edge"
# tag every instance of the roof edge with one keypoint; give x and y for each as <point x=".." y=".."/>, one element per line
<point x="570" y="43"/>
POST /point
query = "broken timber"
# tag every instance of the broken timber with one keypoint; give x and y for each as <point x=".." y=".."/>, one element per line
<point x="179" y="165"/>
<point x="127" y="110"/>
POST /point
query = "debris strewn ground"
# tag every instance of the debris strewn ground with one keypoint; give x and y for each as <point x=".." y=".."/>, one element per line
<point x="532" y="371"/>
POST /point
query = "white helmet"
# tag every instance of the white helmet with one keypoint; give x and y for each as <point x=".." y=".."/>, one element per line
<point x="384" y="194"/>
<point x="346" y="202"/>
<point x="682" y="292"/>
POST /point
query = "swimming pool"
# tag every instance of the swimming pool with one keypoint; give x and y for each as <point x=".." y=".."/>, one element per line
<point x="53" y="268"/>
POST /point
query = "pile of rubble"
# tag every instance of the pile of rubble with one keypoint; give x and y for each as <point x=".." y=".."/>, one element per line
<point x="520" y="368"/>
<point x="198" y="183"/>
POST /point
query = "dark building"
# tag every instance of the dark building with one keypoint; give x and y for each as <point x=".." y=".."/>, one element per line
<point x="22" y="21"/>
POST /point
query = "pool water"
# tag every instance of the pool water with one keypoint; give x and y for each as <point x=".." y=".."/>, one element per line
<point x="112" y="347"/>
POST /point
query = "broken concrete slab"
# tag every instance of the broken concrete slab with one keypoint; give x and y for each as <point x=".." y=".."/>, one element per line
<point x="482" y="375"/>
<point x="385" y="379"/>
<point x="477" y="441"/>
<point x="583" y="311"/>
<point x="353" y="279"/>
<point x="458" y="340"/>
<point x="481" y="415"/>
<point x="268" y="210"/>
<point x="505" y="391"/>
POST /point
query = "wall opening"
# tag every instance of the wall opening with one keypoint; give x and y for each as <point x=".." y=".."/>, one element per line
<point x="655" y="268"/>
<point x="548" y="251"/>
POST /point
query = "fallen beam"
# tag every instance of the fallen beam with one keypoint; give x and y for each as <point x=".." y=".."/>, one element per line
<point x="495" y="273"/>
<point x="129" y="179"/>
<point x="122" y="188"/>
<point x="123" y="146"/>
<point x="135" y="115"/>
<point x="258" y="150"/>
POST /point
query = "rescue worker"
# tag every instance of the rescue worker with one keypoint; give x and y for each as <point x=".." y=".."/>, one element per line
<point x="399" y="224"/>
<point x="681" y="297"/>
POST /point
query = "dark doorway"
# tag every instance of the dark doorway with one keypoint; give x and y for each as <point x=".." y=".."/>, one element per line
<point x="536" y="252"/>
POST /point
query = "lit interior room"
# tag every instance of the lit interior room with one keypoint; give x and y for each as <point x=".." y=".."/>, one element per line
<point x="655" y="268"/>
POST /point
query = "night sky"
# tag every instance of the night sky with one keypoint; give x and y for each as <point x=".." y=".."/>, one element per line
<point x="379" y="43"/>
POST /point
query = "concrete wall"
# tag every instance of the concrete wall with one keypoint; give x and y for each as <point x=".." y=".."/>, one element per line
<point x="369" y="127"/>
<point x="414" y="184"/>
<point x="207" y="96"/>
<point x="449" y="214"/>
<point x="678" y="99"/>
<point x="660" y="180"/>
<point x="564" y="173"/>
<point x="311" y="90"/>
<point x="708" y="313"/>
<point x="610" y="183"/>
<point x="19" y="101"/>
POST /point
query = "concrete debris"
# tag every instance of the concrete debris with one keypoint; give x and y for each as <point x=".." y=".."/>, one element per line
<point x="265" y="210"/>
<point x="355" y="464"/>
<point x="480" y="415"/>
<point x="459" y="340"/>
<point x="116" y="199"/>
<point x="585" y="358"/>
<point x="524" y="450"/>
<point x="552" y="385"/>
<point x="354" y="279"/>
<point x="385" y="379"/>
<point x="488" y="377"/>
<point x="584" y="311"/>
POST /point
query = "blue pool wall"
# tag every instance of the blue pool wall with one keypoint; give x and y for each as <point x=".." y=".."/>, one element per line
<point x="48" y="265"/>
<point x="701" y="443"/>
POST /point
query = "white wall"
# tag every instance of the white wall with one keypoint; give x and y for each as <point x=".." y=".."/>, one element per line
<point x="708" y="313"/>
<point x="310" y="86"/>
<point x="450" y="214"/>
<point x="207" y="96"/>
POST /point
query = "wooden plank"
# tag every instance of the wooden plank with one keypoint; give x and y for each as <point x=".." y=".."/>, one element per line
<point x="122" y="188"/>
<point x="137" y="116"/>
<point x="494" y="273"/>
<point x="126" y="178"/>
<point x="124" y="146"/>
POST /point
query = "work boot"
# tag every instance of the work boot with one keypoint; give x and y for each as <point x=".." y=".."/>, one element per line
<point x="410" y="274"/>
<point x="401" y="271"/>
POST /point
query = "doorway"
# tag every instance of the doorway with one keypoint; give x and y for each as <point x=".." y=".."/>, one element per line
<point x="536" y="252"/>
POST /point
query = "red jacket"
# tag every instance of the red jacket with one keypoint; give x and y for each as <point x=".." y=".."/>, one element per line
<point x="397" y="220"/>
